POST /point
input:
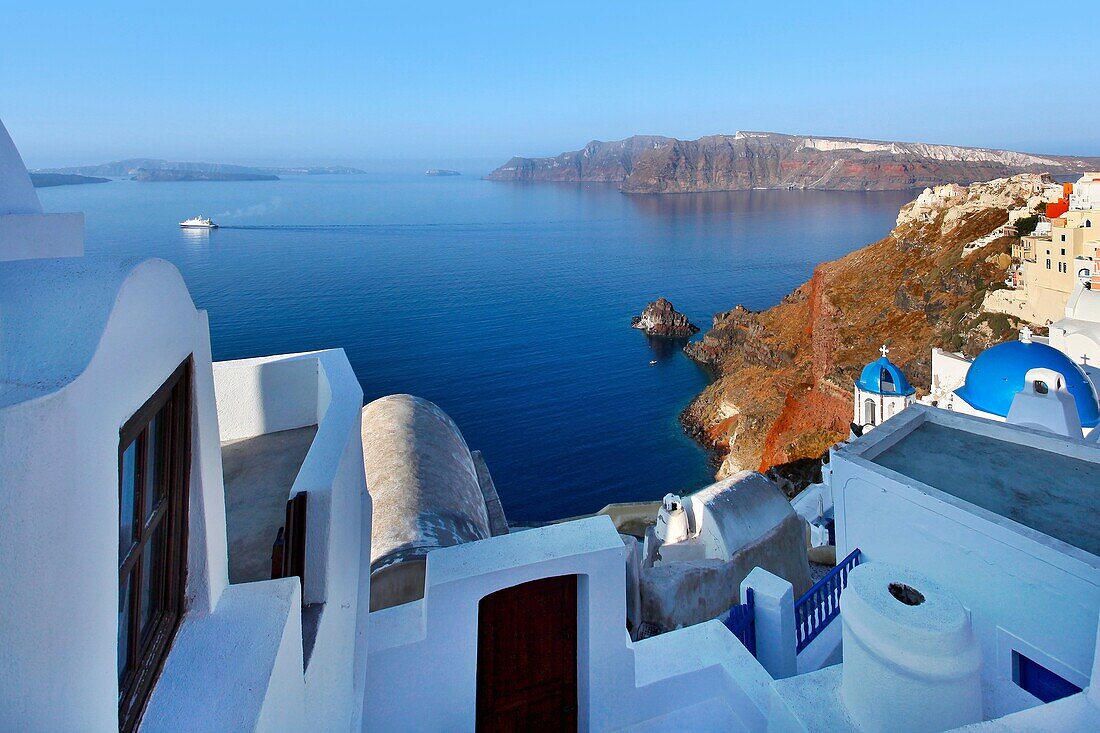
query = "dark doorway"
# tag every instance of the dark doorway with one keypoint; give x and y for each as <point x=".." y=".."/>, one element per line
<point x="527" y="657"/>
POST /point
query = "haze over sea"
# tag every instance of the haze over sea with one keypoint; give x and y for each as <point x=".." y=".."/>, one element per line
<point x="507" y="305"/>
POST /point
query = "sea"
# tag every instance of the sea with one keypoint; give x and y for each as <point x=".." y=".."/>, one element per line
<point x="506" y="304"/>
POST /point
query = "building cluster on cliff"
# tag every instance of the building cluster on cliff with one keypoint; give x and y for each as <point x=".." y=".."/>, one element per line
<point x="1058" y="259"/>
<point x="226" y="546"/>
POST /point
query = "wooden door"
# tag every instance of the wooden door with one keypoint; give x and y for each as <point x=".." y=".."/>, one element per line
<point x="527" y="657"/>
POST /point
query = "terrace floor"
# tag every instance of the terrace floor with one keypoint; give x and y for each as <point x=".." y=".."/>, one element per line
<point x="1049" y="492"/>
<point x="258" y="473"/>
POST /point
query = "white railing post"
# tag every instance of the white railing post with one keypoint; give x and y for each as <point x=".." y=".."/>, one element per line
<point x="773" y="600"/>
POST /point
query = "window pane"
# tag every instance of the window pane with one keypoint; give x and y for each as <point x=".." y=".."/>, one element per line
<point x="123" y="628"/>
<point x="154" y="464"/>
<point x="151" y="578"/>
<point x="126" y="501"/>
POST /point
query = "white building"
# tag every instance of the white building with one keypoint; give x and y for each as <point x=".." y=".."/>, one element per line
<point x="1003" y="518"/>
<point x="187" y="545"/>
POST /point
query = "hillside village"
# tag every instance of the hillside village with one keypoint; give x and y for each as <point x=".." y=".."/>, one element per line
<point x="205" y="545"/>
<point x="953" y="274"/>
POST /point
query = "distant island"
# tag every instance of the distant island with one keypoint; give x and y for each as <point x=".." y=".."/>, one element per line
<point x="441" y="172"/>
<point x="156" y="170"/>
<point x="46" y="180"/>
<point x="166" y="175"/>
<point x="748" y="160"/>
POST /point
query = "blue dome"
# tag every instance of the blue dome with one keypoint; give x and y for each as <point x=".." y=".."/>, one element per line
<point x="883" y="376"/>
<point x="998" y="374"/>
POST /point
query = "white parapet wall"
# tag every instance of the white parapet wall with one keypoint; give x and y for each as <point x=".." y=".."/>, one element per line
<point x="209" y="686"/>
<point x="283" y="392"/>
<point x="26" y="232"/>
<point x="422" y="668"/>
<point x="30" y="236"/>
<point x="268" y="394"/>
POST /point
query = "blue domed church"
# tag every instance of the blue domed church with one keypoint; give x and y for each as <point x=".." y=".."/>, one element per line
<point x="1001" y="372"/>
<point x="881" y="392"/>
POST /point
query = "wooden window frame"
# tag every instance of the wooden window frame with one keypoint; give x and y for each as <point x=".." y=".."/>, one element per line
<point x="146" y="655"/>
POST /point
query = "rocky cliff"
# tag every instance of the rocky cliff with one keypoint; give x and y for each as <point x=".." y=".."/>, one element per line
<point x="747" y="160"/>
<point x="784" y="376"/>
<point x="659" y="318"/>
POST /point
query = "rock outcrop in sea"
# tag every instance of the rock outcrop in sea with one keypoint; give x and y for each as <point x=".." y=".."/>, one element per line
<point x="748" y="160"/>
<point x="659" y="318"/>
<point x="784" y="376"/>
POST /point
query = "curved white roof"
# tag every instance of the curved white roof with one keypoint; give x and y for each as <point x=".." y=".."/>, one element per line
<point x="1084" y="305"/>
<point x="17" y="195"/>
<point x="55" y="313"/>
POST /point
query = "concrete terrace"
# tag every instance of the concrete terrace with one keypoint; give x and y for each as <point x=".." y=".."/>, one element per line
<point x="258" y="474"/>
<point x="1048" y="491"/>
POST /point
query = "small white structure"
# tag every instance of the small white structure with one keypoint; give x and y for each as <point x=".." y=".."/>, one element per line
<point x="712" y="540"/>
<point x="911" y="662"/>
<point x="881" y="392"/>
<point x="672" y="521"/>
<point x="1045" y="403"/>
<point x="990" y="511"/>
<point x="1078" y="334"/>
<point x="987" y="511"/>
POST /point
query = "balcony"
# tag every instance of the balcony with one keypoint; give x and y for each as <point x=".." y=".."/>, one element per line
<point x="286" y="423"/>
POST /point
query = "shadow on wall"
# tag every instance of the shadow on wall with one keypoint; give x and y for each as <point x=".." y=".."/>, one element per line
<point x="258" y="397"/>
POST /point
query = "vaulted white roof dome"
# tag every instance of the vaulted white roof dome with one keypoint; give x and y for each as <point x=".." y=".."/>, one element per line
<point x="1084" y="305"/>
<point x="17" y="195"/>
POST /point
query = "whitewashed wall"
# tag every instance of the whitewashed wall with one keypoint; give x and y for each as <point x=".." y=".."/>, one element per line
<point x="422" y="667"/>
<point x="96" y="339"/>
<point x="26" y="232"/>
<point x="85" y="343"/>
<point x="948" y="371"/>
<point x="267" y="394"/>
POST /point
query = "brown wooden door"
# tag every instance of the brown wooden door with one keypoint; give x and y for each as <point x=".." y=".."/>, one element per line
<point x="527" y="657"/>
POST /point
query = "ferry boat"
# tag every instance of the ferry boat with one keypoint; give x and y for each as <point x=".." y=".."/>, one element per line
<point x="198" y="222"/>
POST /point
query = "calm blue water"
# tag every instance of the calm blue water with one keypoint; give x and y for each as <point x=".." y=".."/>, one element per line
<point x="507" y="305"/>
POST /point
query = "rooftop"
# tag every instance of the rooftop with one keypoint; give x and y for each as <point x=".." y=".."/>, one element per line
<point x="1039" y="480"/>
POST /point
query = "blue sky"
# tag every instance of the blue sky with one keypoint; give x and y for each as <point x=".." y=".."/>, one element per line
<point x="352" y="83"/>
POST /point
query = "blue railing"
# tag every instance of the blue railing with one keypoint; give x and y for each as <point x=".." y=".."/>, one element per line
<point x="821" y="604"/>
<point x="742" y="622"/>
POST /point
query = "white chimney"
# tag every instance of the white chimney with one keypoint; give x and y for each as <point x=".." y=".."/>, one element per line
<point x="911" y="661"/>
<point x="1045" y="403"/>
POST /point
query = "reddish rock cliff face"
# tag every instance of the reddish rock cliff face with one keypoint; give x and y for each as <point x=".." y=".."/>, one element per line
<point x="653" y="164"/>
<point x="784" y="376"/>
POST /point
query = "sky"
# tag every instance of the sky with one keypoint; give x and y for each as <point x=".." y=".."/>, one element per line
<point x="310" y="82"/>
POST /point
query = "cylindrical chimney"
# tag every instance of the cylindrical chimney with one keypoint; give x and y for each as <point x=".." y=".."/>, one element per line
<point x="911" y="661"/>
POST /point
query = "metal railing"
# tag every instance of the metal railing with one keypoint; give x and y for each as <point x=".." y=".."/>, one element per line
<point x="742" y="622"/>
<point x="821" y="603"/>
